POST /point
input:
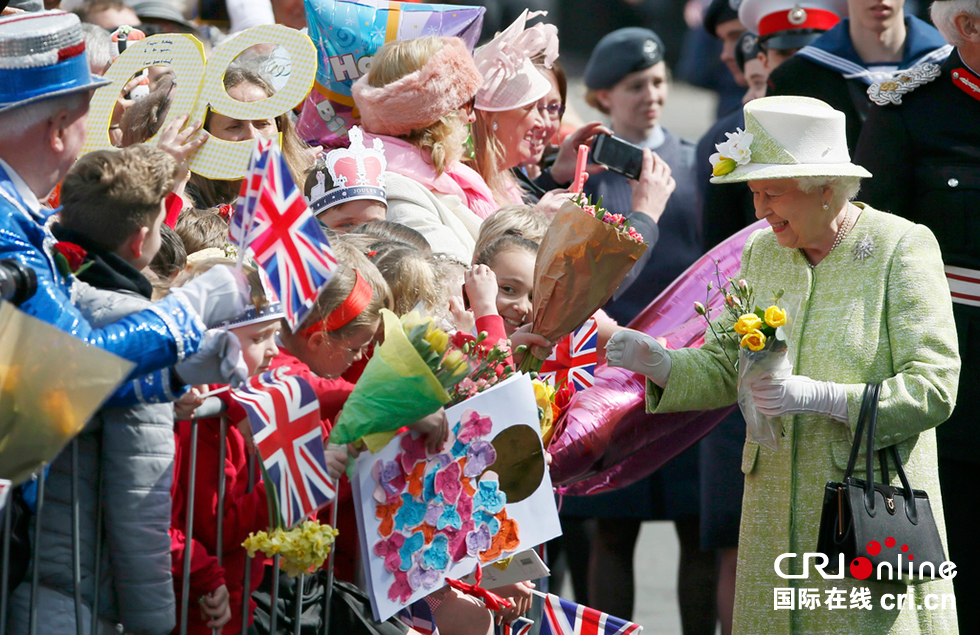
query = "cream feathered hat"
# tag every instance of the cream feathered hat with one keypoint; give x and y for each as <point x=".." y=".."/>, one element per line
<point x="785" y="138"/>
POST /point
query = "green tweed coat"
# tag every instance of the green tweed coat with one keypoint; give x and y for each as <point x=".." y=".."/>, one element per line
<point x="885" y="318"/>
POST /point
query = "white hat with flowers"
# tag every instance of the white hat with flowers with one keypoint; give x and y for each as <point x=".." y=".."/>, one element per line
<point x="785" y="138"/>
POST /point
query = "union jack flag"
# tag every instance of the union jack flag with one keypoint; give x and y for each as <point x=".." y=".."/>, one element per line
<point x="284" y="413"/>
<point x="574" y="358"/>
<point x="562" y="617"/>
<point x="520" y="626"/>
<point x="418" y="616"/>
<point x="244" y="211"/>
<point x="283" y="235"/>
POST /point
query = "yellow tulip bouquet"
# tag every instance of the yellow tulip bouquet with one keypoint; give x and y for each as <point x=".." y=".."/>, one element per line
<point x="761" y="336"/>
<point x="406" y="379"/>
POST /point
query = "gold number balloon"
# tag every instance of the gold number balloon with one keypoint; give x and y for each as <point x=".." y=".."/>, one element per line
<point x="200" y="87"/>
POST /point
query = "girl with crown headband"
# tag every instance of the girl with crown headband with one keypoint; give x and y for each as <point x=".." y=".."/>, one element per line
<point x="346" y="187"/>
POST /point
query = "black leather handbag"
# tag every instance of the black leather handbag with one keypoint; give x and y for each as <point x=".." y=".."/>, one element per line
<point x="884" y="524"/>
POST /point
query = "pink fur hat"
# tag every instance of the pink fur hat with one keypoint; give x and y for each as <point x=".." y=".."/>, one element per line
<point x="447" y="81"/>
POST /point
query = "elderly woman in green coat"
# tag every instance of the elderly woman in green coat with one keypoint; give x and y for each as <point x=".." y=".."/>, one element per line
<point x="875" y="308"/>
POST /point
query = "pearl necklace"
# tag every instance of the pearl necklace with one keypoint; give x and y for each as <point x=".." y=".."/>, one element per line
<point x="841" y="233"/>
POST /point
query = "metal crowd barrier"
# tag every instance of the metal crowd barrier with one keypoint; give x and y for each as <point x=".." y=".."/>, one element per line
<point x="212" y="407"/>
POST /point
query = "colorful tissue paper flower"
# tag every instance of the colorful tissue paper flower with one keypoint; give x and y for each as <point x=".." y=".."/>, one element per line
<point x="386" y="514"/>
<point x="415" y="480"/>
<point x="464" y="506"/>
<point x="457" y="539"/>
<point x="413" y="451"/>
<point x="480" y="455"/>
<point x="478" y="540"/>
<point x="449" y="518"/>
<point x="489" y="497"/>
<point x="420" y="577"/>
<point x="473" y="426"/>
<point x="391" y="477"/>
<point x="447" y="483"/>
<point x="407" y="551"/>
<point x="437" y="555"/>
<point x="428" y="531"/>
<point x="483" y="517"/>
<point x="506" y="541"/>
<point x="400" y="590"/>
<point x="411" y="514"/>
<point x="433" y="513"/>
<point x="389" y="550"/>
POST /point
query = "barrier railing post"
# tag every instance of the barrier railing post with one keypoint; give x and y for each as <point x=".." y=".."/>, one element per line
<point x="274" y="600"/>
<point x="298" y="604"/>
<point x="98" y="556"/>
<point x="247" y="582"/>
<point x="328" y="593"/>
<point x="35" y="570"/>
<point x="76" y="540"/>
<point x="220" y="546"/>
<point x="5" y="566"/>
<point x="185" y="591"/>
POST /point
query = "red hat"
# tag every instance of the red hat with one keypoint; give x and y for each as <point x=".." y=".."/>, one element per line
<point x="790" y="24"/>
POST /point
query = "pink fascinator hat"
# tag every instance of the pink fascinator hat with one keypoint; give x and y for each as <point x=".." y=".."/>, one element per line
<point x="510" y="79"/>
<point x="413" y="102"/>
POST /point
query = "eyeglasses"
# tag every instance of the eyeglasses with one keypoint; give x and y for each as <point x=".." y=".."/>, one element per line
<point x="553" y="110"/>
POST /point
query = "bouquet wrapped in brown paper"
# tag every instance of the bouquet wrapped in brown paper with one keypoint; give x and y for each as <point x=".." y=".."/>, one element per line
<point x="582" y="260"/>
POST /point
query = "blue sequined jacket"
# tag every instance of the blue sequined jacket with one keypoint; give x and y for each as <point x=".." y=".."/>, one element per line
<point x="154" y="339"/>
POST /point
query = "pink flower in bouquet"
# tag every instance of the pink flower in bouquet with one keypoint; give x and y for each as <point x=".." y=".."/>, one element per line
<point x="614" y="219"/>
<point x="635" y="235"/>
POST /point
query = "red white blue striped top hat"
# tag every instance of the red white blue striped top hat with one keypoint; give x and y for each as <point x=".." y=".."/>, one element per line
<point x="42" y="55"/>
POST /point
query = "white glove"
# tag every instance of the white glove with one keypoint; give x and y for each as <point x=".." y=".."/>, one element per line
<point x="639" y="353"/>
<point x="218" y="361"/>
<point x="218" y="295"/>
<point x="797" y="394"/>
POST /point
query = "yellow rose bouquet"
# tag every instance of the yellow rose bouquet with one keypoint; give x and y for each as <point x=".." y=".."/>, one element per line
<point x="761" y="336"/>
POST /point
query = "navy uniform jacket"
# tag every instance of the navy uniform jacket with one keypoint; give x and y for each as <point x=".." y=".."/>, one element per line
<point x="925" y="158"/>
<point x="829" y="69"/>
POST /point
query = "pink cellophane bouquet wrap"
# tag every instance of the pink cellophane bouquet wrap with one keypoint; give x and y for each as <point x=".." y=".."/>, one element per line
<point x="583" y="258"/>
<point x="607" y="440"/>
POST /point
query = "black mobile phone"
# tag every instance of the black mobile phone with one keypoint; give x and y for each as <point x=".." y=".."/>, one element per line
<point x="617" y="155"/>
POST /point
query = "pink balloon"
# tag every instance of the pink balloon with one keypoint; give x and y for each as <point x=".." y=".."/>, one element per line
<point x="606" y="440"/>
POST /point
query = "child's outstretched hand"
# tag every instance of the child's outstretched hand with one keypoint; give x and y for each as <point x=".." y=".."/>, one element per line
<point x="435" y="427"/>
<point x="215" y="606"/>
<point x="338" y="456"/>
<point x="481" y="288"/>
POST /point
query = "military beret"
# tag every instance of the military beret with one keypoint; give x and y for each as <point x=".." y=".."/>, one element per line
<point x="719" y="12"/>
<point x="746" y="49"/>
<point x="620" y="53"/>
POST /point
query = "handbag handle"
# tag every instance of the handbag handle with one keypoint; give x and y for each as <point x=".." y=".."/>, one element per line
<point x="869" y="418"/>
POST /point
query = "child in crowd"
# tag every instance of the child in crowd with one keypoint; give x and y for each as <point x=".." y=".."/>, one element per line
<point x="201" y="229"/>
<point x="517" y="220"/>
<point x="217" y="591"/>
<point x="387" y="230"/>
<point x="172" y="257"/>
<point x="346" y="189"/>
<point x="112" y="208"/>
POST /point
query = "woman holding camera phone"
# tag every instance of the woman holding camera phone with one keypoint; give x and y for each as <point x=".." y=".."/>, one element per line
<point x="627" y="80"/>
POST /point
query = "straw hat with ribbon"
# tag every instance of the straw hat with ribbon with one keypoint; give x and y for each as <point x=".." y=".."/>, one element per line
<point x="785" y="138"/>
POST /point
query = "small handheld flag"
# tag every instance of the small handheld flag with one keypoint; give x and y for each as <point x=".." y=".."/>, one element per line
<point x="284" y="413"/>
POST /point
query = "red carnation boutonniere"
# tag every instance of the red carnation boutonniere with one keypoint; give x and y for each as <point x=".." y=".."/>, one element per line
<point x="70" y="258"/>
